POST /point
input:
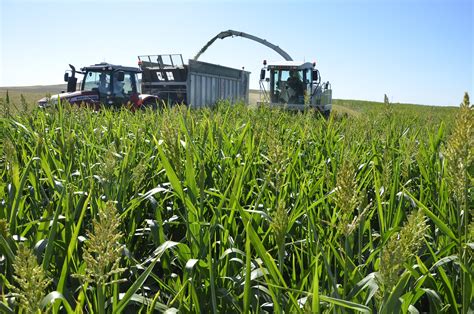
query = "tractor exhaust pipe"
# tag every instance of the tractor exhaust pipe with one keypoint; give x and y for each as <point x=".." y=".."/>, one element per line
<point x="71" y="80"/>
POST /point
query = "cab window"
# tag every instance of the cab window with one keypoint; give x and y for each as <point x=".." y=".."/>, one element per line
<point x="97" y="81"/>
<point x="125" y="87"/>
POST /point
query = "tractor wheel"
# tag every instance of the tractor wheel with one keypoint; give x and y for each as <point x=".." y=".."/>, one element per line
<point x="149" y="104"/>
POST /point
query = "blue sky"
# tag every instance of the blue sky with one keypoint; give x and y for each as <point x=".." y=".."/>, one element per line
<point x="416" y="51"/>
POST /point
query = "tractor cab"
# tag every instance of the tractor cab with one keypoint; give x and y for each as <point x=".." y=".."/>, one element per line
<point x="103" y="84"/>
<point x="113" y="84"/>
<point x="296" y="85"/>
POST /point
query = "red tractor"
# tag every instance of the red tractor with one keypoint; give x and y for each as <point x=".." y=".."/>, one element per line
<point x="106" y="85"/>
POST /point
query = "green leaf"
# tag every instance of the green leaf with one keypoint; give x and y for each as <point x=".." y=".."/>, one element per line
<point x="72" y="245"/>
<point x="140" y="280"/>
<point x="54" y="296"/>
<point x="392" y="303"/>
<point x="441" y="225"/>
<point x="7" y="249"/>
<point x="346" y="304"/>
<point x="6" y="309"/>
<point x="52" y="235"/>
<point x="315" y="290"/>
<point x="368" y="282"/>
<point x="137" y="298"/>
<point x="247" y="291"/>
<point x="444" y="260"/>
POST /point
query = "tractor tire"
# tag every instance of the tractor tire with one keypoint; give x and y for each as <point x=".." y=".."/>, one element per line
<point x="149" y="104"/>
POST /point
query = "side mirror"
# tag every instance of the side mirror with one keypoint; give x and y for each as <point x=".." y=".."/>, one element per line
<point x="120" y="76"/>
<point x="262" y="74"/>
<point x="315" y="75"/>
<point x="66" y="77"/>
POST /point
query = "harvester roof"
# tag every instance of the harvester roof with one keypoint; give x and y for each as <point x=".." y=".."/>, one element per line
<point x="290" y="65"/>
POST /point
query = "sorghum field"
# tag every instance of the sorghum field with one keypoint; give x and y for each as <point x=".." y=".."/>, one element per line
<point x="236" y="209"/>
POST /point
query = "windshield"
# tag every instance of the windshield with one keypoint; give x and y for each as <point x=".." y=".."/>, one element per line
<point x="127" y="87"/>
<point x="107" y="83"/>
<point x="288" y="86"/>
<point x="97" y="81"/>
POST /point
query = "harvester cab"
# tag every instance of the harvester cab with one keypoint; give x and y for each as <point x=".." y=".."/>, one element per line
<point x="103" y="84"/>
<point x="292" y="85"/>
<point x="295" y="86"/>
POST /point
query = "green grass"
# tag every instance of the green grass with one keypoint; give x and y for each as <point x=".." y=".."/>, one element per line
<point x="30" y="94"/>
<point x="238" y="209"/>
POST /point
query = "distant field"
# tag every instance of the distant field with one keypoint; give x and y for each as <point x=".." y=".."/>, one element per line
<point x="31" y="94"/>
<point x="340" y="106"/>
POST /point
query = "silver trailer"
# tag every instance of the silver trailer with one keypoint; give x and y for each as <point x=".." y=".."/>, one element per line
<point x="196" y="84"/>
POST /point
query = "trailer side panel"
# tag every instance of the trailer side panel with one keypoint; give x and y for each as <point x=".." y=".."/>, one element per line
<point x="208" y="83"/>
